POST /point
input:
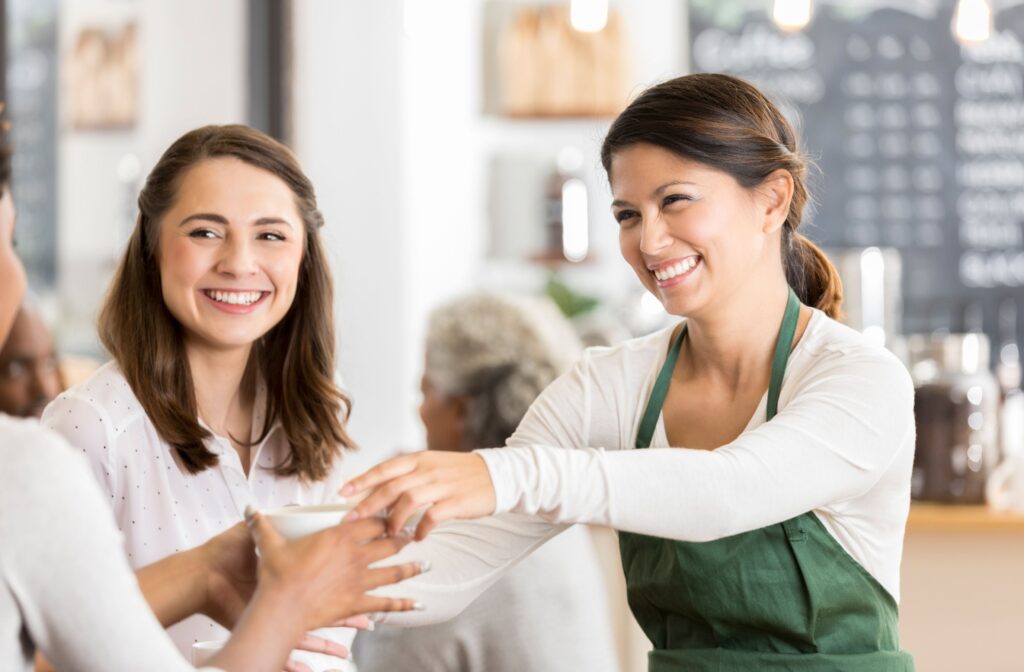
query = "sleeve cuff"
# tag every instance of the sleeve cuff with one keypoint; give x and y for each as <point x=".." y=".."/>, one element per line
<point x="497" y="468"/>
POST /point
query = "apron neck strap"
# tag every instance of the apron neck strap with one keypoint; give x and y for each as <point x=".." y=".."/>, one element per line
<point x="787" y="331"/>
<point x="782" y="347"/>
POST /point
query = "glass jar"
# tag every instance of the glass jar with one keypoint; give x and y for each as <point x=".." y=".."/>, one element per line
<point x="956" y="409"/>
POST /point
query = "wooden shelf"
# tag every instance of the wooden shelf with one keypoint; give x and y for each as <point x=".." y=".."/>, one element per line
<point x="938" y="517"/>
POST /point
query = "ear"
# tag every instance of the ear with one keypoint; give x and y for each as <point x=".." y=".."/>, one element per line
<point x="776" y="193"/>
<point x="460" y="404"/>
<point x="459" y="407"/>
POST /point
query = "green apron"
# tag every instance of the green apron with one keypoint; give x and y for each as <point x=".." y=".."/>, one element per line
<point x="784" y="597"/>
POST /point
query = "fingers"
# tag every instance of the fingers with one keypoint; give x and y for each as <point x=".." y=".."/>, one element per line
<point x="376" y="551"/>
<point x="387" y="494"/>
<point x="361" y="622"/>
<point x="363" y="530"/>
<point x="375" y="604"/>
<point x="311" y="642"/>
<point x="448" y="509"/>
<point x="263" y="533"/>
<point x="295" y="666"/>
<point x="384" y="471"/>
<point x="415" y="500"/>
<point x="385" y="576"/>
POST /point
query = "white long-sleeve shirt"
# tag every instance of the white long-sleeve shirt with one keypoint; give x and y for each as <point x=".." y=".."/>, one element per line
<point x="548" y="613"/>
<point x="65" y="586"/>
<point x="159" y="507"/>
<point x="842" y="446"/>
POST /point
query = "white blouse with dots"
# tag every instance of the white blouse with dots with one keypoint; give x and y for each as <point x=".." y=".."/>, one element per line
<point x="161" y="508"/>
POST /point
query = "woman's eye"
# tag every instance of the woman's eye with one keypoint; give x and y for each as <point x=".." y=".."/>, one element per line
<point x="272" y="236"/>
<point x="622" y="216"/>
<point x="201" y="233"/>
<point x="675" y="198"/>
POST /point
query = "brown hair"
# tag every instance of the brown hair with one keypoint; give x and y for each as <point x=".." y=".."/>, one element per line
<point x="295" y="358"/>
<point x="726" y="123"/>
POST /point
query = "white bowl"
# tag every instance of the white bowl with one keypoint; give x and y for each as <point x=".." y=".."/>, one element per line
<point x="298" y="521"/>
<point x="293" y="522"/>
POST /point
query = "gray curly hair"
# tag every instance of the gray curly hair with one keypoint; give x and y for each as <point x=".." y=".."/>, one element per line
<point x="500" y="351"/>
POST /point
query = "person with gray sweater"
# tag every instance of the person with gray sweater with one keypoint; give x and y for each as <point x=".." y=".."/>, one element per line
<point x="488" y="356"/>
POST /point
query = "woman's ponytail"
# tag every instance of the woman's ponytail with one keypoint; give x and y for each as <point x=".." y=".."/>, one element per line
<point x="811" y="275"/>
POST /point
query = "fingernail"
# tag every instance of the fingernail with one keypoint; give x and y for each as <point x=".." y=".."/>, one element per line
<point x="403" y="533"/>
<point x="346" y="490"/>
<point x="250" y="513"/>
<point x="375" y="617"/>
<point x="425" y="566"/>
<point x="350" y="516"/>
<point x="371" y="626"/>
<point x="419" y="606"/>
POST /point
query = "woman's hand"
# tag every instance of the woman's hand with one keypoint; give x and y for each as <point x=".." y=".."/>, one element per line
<point x="231" y="577"/>
<point x="328" y="575"/>
<point x="230" y="561"/>
<point x="453" y="485"/>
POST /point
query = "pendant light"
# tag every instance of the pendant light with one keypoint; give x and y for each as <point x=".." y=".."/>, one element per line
<point x="791" y="15"/>
<point x="972" y="21"/>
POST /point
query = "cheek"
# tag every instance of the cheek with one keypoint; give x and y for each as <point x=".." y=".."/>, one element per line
<point x="283" y="269"/>
<point x="181" y="265"/>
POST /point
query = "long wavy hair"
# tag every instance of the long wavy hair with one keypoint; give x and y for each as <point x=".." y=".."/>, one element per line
<point x="295" y="359"/>
<point x="726" y="123"/>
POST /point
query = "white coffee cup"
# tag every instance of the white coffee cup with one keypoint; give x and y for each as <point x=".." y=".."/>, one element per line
<point x="202" y="652"/>
<point x="293" y="522"/>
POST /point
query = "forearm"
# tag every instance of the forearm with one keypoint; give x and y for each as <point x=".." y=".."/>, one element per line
<point x="467" y="557"/>
<point x="175" y="587"/>
<point x="688" y="495"/>
<point x="265" y="634"/>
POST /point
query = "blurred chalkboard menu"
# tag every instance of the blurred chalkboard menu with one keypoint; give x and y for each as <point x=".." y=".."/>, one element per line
<point x="32" y="111"/>
<point x="919" y="141"/>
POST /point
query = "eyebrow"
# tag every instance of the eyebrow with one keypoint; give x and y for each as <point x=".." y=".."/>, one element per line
<point x="220" y="219"/>
<point x="618" y="203"/>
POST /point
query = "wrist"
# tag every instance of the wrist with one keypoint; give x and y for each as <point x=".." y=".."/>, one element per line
<point x="210" y="580"/>
<point x="287" y="605"/>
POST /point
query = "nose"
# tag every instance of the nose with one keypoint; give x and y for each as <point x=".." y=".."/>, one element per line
<point x="238" y="258"/>
<point x="654" y="234"/>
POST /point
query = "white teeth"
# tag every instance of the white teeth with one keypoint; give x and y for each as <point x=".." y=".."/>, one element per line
<point x="676" y="269"/>
<point x="235" y="298"/>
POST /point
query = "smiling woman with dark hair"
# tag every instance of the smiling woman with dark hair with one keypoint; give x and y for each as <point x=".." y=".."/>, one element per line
<point x="220" y="322"/>
<point x="755" y="457"/>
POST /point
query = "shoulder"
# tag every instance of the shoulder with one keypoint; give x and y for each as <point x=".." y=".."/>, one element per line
<point x="92" y="414"/>
<point x="831" y="351"/>
<point x="105" y="394"/>
<point x="33" y="456"/>
<point x="26" y="441"/>
<point x="630" y="358"/>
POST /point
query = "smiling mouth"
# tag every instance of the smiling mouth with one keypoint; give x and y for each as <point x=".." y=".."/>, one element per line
<point x="675" y="270"/>
<point x="235" y="298"/>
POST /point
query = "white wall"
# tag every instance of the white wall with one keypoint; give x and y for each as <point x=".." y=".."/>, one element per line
<point x="192" y="70"/>
<point x="349" y="135"/>
<point x="388" y="124"/>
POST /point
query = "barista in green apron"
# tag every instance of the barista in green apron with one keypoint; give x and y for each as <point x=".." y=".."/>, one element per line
<point x="784" y="597"/>
<point x="709" y="191"/>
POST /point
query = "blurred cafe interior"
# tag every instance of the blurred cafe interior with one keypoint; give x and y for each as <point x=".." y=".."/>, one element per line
<point x="455" y="148"/>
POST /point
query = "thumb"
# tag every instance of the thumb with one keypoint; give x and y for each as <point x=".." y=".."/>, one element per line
<point x="263" y="533"/>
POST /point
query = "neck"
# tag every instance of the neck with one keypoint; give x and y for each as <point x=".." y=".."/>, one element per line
<point x="733" y="341"/>
<point x="218" y="377"/>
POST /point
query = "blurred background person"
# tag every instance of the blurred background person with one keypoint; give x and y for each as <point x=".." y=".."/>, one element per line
<point x="488" y="356"/>
<point x="30" y="375"/>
